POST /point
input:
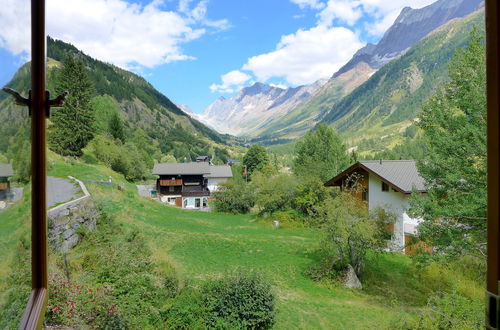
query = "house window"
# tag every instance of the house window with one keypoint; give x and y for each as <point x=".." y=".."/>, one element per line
<point x="385" y="186"/>
<point x="171" y="189"/>
<point x="364" y="195"/>
<point x="204" y="202"/>
<point x="197" y="202"/>
<point x="185" y="203"/>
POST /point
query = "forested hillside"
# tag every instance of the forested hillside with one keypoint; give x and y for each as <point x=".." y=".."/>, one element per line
<point x="395" y="93"/>
<point x="146" y="113"/>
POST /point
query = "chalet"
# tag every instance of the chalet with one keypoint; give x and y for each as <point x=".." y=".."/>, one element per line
<point x="387" y="184"/>
<point x="5" y="173"/>
<point x="189" y="185"/>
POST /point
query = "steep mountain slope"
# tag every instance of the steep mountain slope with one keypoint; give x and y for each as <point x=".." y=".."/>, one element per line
<point x="409" y="28"/>
<point x="139" y="103"/>
<point x="254" y="106"/>
<point x="392" y="97"/>
<point x="305" y="115"/>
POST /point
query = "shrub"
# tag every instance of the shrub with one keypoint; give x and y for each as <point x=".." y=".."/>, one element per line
<point x="447" y="311"/>
<point x="233" y="198"/>
<point x="236" y="301"/>
<point x="241" y="300"/>
<point x="273" y="193"/>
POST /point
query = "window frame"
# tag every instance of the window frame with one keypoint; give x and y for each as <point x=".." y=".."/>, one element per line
<point x="35" y="309"/>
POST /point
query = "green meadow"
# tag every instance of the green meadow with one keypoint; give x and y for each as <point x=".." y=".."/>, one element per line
<point x="201" y="245"/>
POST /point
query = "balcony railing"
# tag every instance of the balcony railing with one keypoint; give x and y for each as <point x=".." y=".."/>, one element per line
<point x="170" y="183"/>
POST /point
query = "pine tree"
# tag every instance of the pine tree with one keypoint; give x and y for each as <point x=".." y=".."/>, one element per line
<point x="454" y="126"/>
<point x="116" y="128"/>
<point x="72" y="125"/>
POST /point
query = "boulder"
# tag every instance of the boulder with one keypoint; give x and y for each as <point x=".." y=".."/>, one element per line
<point x="350" y="279"/>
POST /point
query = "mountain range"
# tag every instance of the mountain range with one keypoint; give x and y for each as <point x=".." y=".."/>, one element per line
<point x="266" y="114"/>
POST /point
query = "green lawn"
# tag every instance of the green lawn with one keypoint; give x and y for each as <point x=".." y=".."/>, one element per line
<point x="203" y="245"/>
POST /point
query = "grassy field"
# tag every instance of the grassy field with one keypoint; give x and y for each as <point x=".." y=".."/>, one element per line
<point x="203" y="245"/>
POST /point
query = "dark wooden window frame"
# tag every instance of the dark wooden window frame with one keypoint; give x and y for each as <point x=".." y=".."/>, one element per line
<point x="39" y="103"/>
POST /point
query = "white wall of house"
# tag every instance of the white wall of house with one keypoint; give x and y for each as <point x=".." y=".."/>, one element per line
<point x="190" y="202"/>
<point x="392" y="201"/>
<point x="213" y="183"/>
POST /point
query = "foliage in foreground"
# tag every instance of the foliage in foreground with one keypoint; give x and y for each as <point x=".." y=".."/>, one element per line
<point x="237" y="301"/>
<point x="349" y="233"/>
<point x="454" y="126"/>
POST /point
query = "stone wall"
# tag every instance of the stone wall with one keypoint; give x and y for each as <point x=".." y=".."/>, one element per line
<point x="68" y="222"/>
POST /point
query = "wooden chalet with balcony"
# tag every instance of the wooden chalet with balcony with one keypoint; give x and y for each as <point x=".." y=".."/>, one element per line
<point x="6" y="172"/>
<point x="188" y="185"/>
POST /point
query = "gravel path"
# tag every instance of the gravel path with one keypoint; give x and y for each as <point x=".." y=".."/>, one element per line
<point x="60" y="190"/>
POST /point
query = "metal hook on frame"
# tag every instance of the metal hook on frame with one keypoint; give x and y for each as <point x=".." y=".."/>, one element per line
<point x="23" y="101"/>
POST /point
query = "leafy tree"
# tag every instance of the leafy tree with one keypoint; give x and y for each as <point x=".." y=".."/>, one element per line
<point x="116" y="128"/>
<point x="20" y="154"/>
<point x="454" y="126"/>
<point x="273" y="192"/>
<point x="233" y="197"/>
<point x="169" y="158"/>
<point x="255" y="158"/>
<point x="350" y="232"/>
<point x="320" y="153"/>
<point x="73" y="124"/>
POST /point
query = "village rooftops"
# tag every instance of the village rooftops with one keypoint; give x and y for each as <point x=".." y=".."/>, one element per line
<point x="402" y="175"/>
<point x="6" y="170"/>
<point x="198" y="168"/>
<point x="220" y="171"/>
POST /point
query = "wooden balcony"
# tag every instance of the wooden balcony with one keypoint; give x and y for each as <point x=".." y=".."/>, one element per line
<point x="169" y="183"/>
<point x="4" y="186"/>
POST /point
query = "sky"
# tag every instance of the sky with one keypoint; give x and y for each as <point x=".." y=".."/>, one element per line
<point x="195" y="51"/>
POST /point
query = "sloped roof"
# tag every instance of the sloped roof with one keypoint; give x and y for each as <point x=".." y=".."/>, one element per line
<point x="198" y="168"/>
<point x="6" y="170"/>
<point x="193" y="168"/>
<point x="220" y="171"/>
<point x="401" y="174"/>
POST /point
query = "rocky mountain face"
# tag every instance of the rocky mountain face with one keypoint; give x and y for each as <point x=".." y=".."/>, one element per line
<point x="254" y="106"/>
<point x="409" y="28"/>
<point x="269" y="114"/>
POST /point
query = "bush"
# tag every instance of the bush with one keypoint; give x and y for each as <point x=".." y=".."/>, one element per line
<point x="237" y="301"/>
<point x="233" y="198"/>
<point x="242" y="300"/>
<point x="447" y="311"/>
<point x="273" y="193"/>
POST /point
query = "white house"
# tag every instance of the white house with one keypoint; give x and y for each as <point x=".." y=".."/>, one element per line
<point x="387" y="184"/>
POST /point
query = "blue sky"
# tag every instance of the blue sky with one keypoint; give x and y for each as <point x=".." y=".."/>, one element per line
<point x="195" y="51"/>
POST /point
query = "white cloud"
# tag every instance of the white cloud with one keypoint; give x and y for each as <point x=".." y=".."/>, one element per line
<point x="307" y="55"/>
<point x="314" y="4"/>
<point x="115" y="31"/>
<point x="231" y="82"/>
<point x="344" y="11"/>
